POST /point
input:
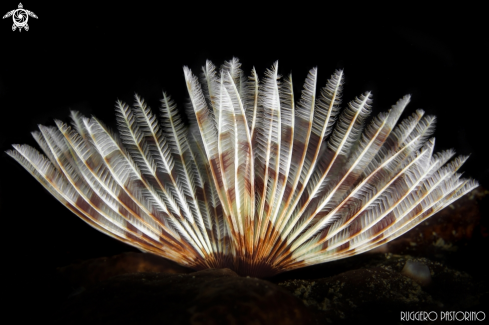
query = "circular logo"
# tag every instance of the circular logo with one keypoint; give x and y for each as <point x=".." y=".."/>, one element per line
<point x="20" y="18"/>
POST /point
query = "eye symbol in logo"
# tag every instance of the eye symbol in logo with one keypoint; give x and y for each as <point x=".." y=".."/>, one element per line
<point x="20" y="17"/>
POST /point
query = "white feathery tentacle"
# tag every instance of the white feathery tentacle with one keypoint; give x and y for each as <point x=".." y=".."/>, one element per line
<point x="313" y="123"/>
<point x="95" y="172"/>
<point x="340" y="143"/>
<point x="267" y="151"/>
<point x="210" y="140"/>
<point x="243" y="164"/>
<point x="177" y="133"/>
<point x="126" y="171"/>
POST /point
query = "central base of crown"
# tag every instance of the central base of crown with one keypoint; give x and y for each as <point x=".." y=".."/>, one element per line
<point x="243" y="266"/>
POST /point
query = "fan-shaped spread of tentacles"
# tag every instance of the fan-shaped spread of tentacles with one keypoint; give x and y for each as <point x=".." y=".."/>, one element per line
<point x="259" y="182"/>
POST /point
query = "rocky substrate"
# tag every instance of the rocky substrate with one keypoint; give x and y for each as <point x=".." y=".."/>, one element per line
<point x="438" y="266"/>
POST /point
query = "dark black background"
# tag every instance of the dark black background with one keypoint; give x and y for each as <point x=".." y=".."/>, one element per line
<point x="86" y="56"/>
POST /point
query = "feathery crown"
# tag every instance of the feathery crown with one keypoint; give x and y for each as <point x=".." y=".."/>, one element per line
<point x="259" y="182"/>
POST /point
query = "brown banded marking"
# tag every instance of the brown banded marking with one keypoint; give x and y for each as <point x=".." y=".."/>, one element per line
<point x="65" y="162"/>
<point x="100" y="131"/>
<point x="51" y="185"/>
<point x="327" y="104"/>
<point x="76" y="141"/>
<point x="403" y="224"/>
<point x="349" y="218"/>
<point x="378" y="134"/>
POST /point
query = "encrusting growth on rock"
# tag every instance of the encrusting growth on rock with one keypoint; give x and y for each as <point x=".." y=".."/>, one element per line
<point x="260" y="182"/>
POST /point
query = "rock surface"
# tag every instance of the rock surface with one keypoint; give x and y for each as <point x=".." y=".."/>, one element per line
<point x="381" y="292"/>
<point x="216" y="296"/>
